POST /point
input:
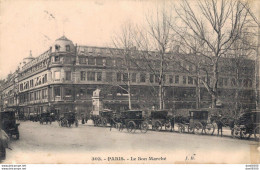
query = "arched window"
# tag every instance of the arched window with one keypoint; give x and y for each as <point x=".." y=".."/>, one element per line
<point x="57" y="47"/>
<point x="67" y="47"/>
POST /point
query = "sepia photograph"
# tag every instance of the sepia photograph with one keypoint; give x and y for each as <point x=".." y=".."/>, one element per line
<point x="129" y="82"/>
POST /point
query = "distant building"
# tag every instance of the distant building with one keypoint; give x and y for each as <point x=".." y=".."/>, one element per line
<point x="65" y="76"/>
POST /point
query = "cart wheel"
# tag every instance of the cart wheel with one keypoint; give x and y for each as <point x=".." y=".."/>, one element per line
<point x="209" y="129"/>
<point x="144" y="127"/>
<point x="190" y="129"/>
<point x="131" y="126"/>
<point x="198" y="128"/>
<point x="257" y="133"/>
<point x="99" y="122"/>
<point x="236" y="132"/>
<point x="158" y="125"/>
<point x="167" y="125"/>
<point x="104" y="122"/>
<point x="181" y="128"/>
<point x="245" y="135"/>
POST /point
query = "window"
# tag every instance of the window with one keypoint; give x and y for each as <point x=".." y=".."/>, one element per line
<point x="191" y="68"/>
<point x="43" y="80"/>
<point x="45" y="77"/>
<point x="40" y="94"/>
<point x="109" y="62"/>
<point x="164" y="78"/>
<point x="245" y="83"/>
<point x="91" y="61"/>
<point x="82" y="75"/>
<point x="67" y="75"/>
<point x="83" y="60"/>
<point x="170" y="79"/>
<point x="57" y="75"/>
<point x="157" y="76"/>
<point x="44" y="93"/>
<point x="190" y="80"/>
<point x="21" y="87"/>
<point x="220" y="82"/>
<point x="31" y="83"/>
<point x="250" y="83"/>
<point x="118" y="77"/>
<point x="68" y="92"/>
<point x="99" y="76"/>
<point x="109" y="76"/>
<point x="151" y="78"/>
<point x="133" y="77"/>
<point x="99" y="61"/>
<point x="233" y="82"/>
<point x="57" y="47"/>
<point x="177" y="79"/>
<point x="125" y="77"/>
<point x="240" y="82"/>
<point x="142" y="77"/>
<point x="67" y="60"/>
<point x="31" y="96"/>
<point x="56" y="91"/>
<point x="225" y="81"/>
<point x="91" y="76"/>
<point x="184" y="80"/>
<point x="82" y="93"/>
<point x="119" y="62"/>
<point x="57" y="58"/>
<point x="67" y="47"/>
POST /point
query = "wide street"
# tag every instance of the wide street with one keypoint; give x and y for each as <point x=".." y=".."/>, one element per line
<point x="89" y="144"/>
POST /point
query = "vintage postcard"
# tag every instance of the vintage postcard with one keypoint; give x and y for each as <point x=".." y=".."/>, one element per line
<point x="129" y="82"/>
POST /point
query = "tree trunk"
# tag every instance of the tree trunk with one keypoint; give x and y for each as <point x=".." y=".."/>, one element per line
<point x="160" y="96"/>
<point x="198" y="93"/>
<point x="129" y="90"/>
<point x="214" y="85"/>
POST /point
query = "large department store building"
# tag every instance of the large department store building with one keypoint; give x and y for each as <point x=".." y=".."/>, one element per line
<point x="65" y="76"/>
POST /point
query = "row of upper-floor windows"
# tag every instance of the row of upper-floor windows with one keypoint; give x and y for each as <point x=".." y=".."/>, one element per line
<point x="33" y="82"/>
<point x="155" y="78"/>
<point x="35" y="67"/>
<point x="63" y="59"/>
<point x="57" y="48"/>
<point x="138" y="63"/>
<point x="32" y="96"/>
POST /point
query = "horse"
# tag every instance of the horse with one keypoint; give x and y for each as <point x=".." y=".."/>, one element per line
<point x="222" y="121"/>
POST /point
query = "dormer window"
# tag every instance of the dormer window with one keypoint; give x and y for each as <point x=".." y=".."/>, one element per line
<point x="57" y="47"/>
<point x="67" y="48"/>
<point x="56" y="58"/>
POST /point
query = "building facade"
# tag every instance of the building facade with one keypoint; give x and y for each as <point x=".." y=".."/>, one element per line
<point x="64" y="78"/>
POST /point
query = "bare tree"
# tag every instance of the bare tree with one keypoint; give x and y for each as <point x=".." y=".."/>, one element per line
<point x="216" y="24"/>
<point x="155" y="44"/>
<point x="124" y="44"/>
<point x="243" y="49"/>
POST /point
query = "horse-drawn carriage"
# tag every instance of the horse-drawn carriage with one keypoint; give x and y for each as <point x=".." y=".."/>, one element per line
<point x="45" y="117"/>
<point x="160" y="118"/>
<point x="132" y="120"/>
<point x="197" y="122"/>
<point x="103" y="118"/>
<point x="8" y="123"/>
<point x="68" y="119"/>
<point x="246" y="125"/>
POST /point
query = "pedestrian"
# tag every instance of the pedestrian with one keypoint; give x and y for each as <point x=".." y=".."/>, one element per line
<point x="4" y="139"/>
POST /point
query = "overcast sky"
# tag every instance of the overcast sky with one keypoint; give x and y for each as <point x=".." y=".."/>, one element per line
<point x="34" y="25"/>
